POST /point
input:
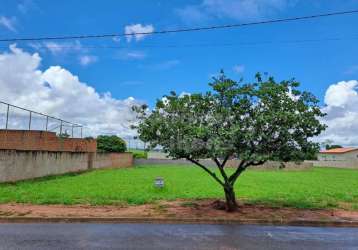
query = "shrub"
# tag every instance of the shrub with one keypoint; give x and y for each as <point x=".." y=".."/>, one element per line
<point x="113" y="144"/>
<point x="139" y="154"/>
<point x="333" y="146"/>
<point x="64" y="135"/>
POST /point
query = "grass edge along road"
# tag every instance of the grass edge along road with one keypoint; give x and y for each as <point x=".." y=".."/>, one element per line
<point x="313" y="188"/>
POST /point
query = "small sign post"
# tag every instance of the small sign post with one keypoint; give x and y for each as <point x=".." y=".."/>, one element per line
<point x="159" y="182"/>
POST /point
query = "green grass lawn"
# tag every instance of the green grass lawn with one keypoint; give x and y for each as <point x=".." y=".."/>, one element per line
<point x="315" y="188"/>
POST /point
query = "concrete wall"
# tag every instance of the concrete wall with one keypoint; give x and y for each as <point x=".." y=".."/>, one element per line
<point x="230" y="163"/>
<point x="156" y="155"/>
<point x="44" y="141"/>
<point x="349" y="156"/>
<point x="113" y="160"/>
<point x="353" y="164"/>
<point x="275" y="165"/>
<point x="21" y="165"/>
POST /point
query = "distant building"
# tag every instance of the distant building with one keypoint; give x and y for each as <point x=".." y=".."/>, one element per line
<point x="338" y="154"/>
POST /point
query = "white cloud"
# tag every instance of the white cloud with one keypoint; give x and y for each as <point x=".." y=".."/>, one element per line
<point x="341" y="94"/>
<point x="8" y="23"/>
<point x="58" y="92"/>
<point x="234" y="9"/>
<point x="131" y="55"/>
<point x="57" y="48"/>
<point x="341" y="101"/>
<point x="135" y="55"/>
<point x="35" y="45"/>
<point x="63" y="49"/>
<point x="137" y="28"/>
<point x="87" y="59"/>
<point x="239" y="69"/>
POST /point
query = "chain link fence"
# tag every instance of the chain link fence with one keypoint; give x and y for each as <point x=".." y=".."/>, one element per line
<point x="17" y="118"/>
<point x="13" y="117"/>
<point x="134" y="143"/>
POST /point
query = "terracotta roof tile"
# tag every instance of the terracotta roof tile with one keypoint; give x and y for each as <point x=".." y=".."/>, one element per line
<point x="338" y="150"/>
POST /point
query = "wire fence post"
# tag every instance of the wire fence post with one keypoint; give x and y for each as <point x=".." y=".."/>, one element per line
<point x="30" y="120"/>
<point x="46" y="123"/>
<point x="61" y="127"/>
<point x="7" y="116"/>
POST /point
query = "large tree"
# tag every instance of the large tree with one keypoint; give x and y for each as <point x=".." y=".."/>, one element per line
<point x="254" y="122"/>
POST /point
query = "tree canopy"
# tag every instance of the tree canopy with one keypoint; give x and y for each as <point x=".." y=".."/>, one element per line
<point x="333" y="146"/>
<point x="255" y="122"/>
<point x="111" y="143"/>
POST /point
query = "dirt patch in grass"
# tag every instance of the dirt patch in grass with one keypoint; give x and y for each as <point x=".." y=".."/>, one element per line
<point x="177" y="209"/>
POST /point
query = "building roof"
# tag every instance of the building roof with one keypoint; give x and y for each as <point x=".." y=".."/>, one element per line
<point x="338" y="150"/>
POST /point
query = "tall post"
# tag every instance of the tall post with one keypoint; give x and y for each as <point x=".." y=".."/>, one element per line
<point x="61" y="128"/>
<point x="72" y="131"/>
<point x="7" y="116"/>
<point x="81" y="132"/>
<point x="30" y="120"/>
<point x="46" y="123"/>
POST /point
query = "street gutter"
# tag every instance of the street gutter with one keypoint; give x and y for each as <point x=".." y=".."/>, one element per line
<point x="153" y="220"/>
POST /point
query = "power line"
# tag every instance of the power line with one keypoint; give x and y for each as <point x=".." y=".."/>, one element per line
<point x="296" y="41"/>
<point x="179" y="30"/>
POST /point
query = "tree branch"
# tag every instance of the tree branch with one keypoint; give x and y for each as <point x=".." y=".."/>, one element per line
<point x="206" y="170"/>
<point x="224" y="161"/>
<point x="242" y="166"/>
<point x="221" y="168"/>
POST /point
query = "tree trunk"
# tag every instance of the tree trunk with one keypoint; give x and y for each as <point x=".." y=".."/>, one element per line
<point x="231" y="204"/>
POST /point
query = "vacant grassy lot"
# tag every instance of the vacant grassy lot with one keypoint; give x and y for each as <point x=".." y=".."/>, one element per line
<point x="316" y="188"/>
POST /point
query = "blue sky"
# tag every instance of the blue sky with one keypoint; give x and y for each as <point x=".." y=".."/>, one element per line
<point x="149" y="67"/>
<point x="185" y="68"/>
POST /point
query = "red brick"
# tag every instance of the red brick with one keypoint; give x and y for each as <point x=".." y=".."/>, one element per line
<point x="44" y="141"/>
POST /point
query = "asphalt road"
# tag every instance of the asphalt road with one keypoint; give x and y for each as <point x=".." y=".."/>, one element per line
<point x="149" y="236"/>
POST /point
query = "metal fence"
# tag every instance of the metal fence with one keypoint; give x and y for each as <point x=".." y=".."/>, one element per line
<point x="13" y="117"/>
<point x="134" y="143"/>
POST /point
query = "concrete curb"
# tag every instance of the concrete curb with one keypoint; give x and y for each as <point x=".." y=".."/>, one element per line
<point x="149" y="220"/>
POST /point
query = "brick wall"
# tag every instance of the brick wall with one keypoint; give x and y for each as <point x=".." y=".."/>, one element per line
<point x="44" y="141"/>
